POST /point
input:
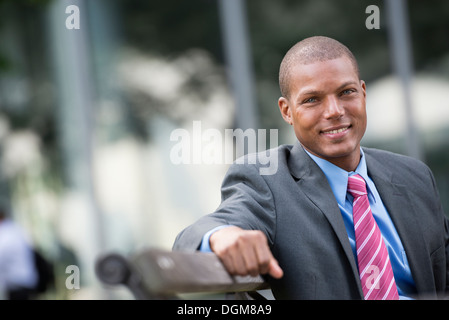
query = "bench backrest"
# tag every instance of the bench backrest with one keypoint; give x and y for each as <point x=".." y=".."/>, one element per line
<point x="162" y="274"/>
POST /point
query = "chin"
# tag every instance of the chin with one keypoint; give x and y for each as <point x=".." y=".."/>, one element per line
<point x="340" y="151"/>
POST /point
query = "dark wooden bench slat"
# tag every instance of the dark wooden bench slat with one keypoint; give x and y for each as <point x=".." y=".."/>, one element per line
<point x="155" y="273"/>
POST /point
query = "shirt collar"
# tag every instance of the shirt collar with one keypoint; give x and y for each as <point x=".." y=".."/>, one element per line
<point x="338" y="177"/>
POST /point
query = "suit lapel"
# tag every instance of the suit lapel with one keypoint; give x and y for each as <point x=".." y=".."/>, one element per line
<point x="399" y="204"/>
<point x="315" y="186"/>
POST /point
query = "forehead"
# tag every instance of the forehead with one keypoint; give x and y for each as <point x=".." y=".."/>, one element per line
<point x="321" y="75"/>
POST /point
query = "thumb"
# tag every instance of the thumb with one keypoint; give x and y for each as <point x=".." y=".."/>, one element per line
<point x="274" y="269"/>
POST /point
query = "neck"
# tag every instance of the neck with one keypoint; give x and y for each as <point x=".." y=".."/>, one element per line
<point x="349" y="164"/>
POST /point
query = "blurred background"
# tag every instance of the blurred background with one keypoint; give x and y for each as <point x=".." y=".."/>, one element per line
<point x="86" y="114"/>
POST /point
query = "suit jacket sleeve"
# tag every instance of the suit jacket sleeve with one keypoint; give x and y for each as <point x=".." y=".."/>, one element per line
<point x="246" y="202"/>
<point x="440" y="210"/>
<point x="440" y="268"/>
<point x="446" y="225"/>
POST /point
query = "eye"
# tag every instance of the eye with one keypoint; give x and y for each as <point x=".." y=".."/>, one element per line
<point x="347" y="91"/>
<point x="310" y="100"/>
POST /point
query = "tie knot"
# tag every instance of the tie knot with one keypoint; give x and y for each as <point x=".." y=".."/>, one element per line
<point x="356" y="186"/>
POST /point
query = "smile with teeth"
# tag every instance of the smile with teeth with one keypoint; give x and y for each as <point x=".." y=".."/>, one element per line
<point x="336" y="131"/>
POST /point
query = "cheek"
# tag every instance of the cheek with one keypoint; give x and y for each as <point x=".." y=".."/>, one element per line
<point x="304" y="128"/>
<point x="305" y="120"/>
<point x="363" y="120"/>
<point x="358" y="113"/>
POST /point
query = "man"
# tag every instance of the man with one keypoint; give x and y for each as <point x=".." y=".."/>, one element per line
<point x="18" y="275"/>
<point x="336" y="221"/>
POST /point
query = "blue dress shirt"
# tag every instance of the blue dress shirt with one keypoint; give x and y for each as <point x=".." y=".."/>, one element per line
<point x="338" y="180"/>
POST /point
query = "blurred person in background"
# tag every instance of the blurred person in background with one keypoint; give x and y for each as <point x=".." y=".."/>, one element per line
<point x="18" y="274"/>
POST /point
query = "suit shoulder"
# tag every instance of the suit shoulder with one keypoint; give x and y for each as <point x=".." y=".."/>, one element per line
<point x="384" y="155"/>
<point x="397" y="162"/>
<point x="267" y="162"/>
<point x="282" y="151"/>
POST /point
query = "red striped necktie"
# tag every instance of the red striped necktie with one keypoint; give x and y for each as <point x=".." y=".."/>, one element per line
<point x="376" y="274"/>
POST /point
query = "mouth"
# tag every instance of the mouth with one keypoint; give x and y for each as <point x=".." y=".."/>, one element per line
<point x="336" y="131"/>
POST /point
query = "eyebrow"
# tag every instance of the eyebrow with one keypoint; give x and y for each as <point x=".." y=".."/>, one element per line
<point x="318" y="92"/>
<point x="347" y="83"/>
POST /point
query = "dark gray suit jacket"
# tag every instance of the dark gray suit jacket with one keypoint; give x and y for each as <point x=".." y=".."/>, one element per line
<point x="296" y="209"/>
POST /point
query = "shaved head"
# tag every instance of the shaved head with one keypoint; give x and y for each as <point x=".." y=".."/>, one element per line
<point x="311" y="50"/>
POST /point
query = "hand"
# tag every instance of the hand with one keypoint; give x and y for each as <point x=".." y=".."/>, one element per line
<point x="244" y="252"/>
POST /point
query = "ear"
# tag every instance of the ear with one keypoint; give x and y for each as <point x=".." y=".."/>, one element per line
<point x="362" y="83"/>
<point x="286" y="112"/>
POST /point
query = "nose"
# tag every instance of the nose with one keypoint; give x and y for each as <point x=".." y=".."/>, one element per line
<point x="334" y="110"/>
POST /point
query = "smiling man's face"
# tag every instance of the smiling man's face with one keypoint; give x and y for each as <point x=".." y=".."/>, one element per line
<point x="326" y="106"/>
